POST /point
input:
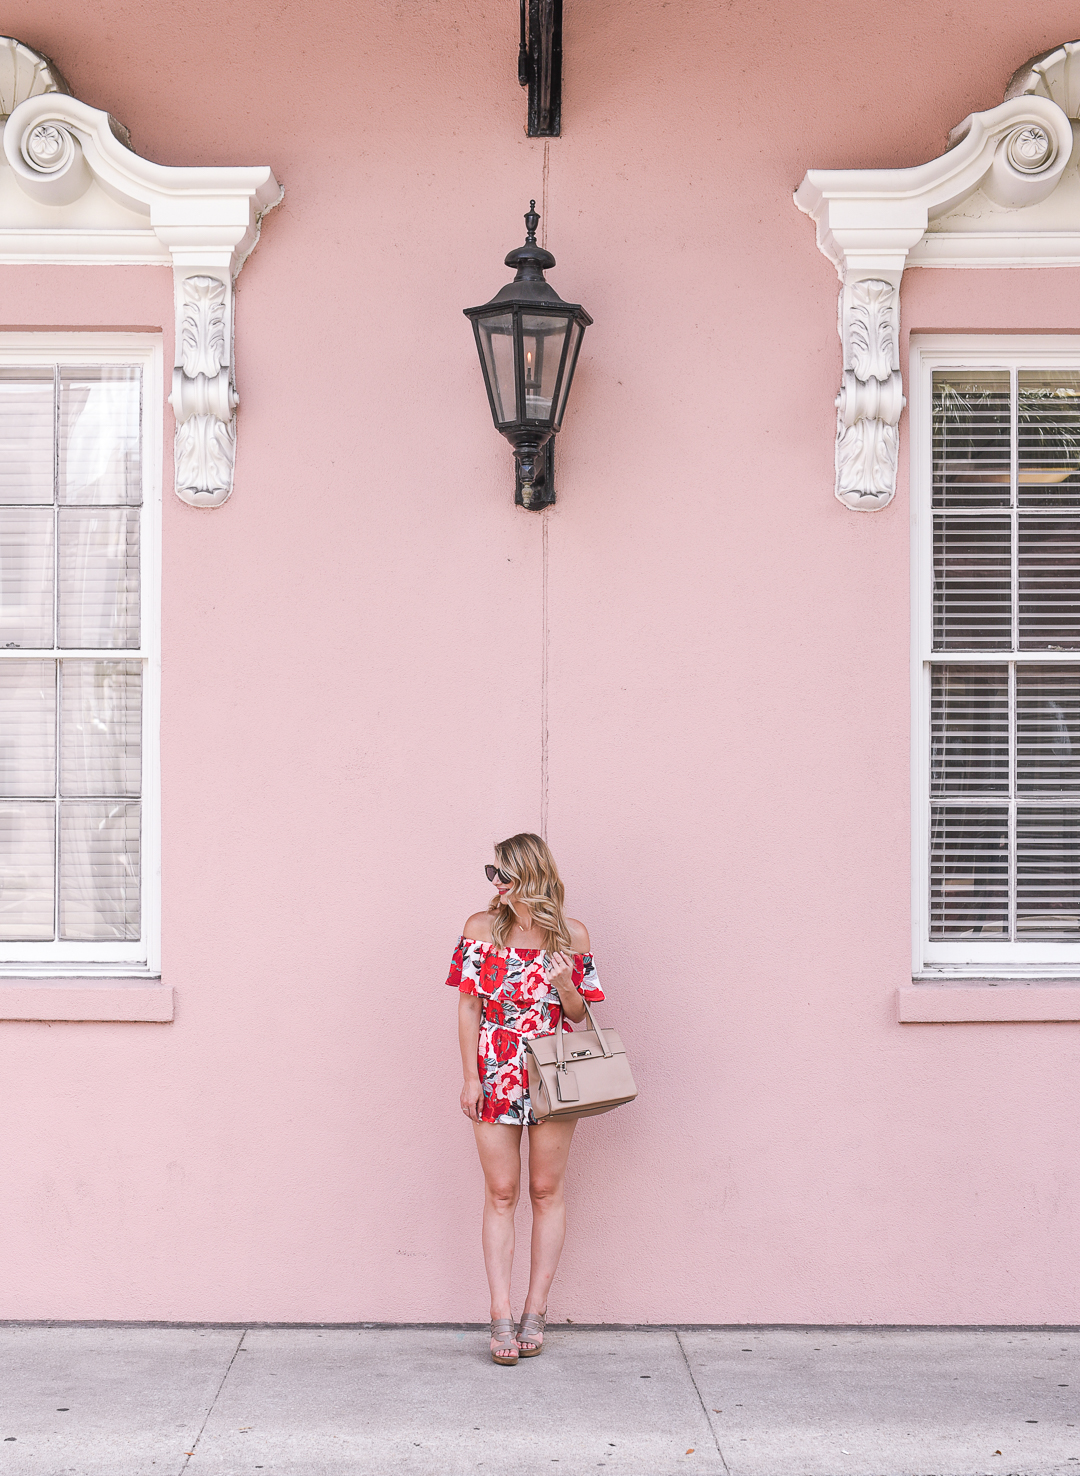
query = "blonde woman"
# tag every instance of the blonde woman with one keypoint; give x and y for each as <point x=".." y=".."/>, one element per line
<point x="520" y="966"/>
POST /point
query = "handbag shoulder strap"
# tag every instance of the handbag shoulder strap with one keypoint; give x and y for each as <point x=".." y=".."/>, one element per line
<point x="560" y="1044"/>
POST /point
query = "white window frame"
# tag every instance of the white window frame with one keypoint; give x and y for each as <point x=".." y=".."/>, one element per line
<point x="933" y="960"/>
<point x="141" y="957"/>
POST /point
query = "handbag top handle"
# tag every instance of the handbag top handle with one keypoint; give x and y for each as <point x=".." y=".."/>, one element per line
<point x="560" y="1046"/>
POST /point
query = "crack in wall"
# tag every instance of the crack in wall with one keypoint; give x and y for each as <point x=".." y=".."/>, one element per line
<point x="544" y="637"/>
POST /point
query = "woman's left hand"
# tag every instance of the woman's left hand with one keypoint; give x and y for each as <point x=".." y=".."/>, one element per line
<point x="560" y="976"/>
<point x="560" y="971"/>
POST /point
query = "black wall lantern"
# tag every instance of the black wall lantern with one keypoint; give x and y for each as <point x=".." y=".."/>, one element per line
<point x="528" y="340"/>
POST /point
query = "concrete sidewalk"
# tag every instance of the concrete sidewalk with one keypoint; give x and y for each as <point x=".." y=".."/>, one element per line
<point x="183" y="1401"/>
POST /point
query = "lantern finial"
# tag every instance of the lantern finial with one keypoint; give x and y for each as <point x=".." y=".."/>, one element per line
<point x="532" y="220"/>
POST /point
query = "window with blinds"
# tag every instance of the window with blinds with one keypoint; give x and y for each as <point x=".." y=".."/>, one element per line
<point x="76" y="644"/>
<point x="999" y="662"/>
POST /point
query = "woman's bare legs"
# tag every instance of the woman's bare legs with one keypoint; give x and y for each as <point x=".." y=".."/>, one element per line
<point x="549" y="1148"/>
<point x="499" y="1146"/>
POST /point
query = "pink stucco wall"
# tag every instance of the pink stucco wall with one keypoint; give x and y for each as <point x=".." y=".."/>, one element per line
<point x="355" y="704"/>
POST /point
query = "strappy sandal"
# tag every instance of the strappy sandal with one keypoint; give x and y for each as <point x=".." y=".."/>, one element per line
<point x="503" y="1328"/>
<point x="531" y="1330"/>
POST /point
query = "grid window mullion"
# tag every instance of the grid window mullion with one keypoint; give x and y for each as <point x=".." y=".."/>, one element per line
<point x="56" y="627"/>
<point x="1012" y="801"/>
<point x="1004" y="739"/>
<point x="87" y="800"/>
<point x="1014" y="500"/>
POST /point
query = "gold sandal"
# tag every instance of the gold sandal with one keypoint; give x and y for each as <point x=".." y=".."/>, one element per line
<point x="531" y="1330"/>
<point x="503" y="1327"/>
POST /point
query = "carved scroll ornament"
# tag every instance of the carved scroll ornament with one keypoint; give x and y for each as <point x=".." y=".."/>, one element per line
<point x="203" y="221"/>
<point x="967" y="208"/>
<point x="203" y="397"/>
<point x="205" y="454"/>
<point x="871" y="396"/>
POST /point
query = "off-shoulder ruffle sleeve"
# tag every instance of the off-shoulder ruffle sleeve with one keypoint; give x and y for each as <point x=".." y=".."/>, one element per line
<point x="465" y="966"/>
<point x="453" y="978"/>
<point x="586" y="980"/>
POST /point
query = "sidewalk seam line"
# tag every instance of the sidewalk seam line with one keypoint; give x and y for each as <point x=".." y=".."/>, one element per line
<point x="213" y="1402"/>
<point x="701" y="1401"/>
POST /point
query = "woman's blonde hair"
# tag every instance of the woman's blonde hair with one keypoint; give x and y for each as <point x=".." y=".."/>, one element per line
<point x="535" y="882"/>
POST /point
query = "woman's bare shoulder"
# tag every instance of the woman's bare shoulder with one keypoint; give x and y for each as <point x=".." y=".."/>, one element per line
<point x="579" y="936"/>
<point x="478" y="926"/>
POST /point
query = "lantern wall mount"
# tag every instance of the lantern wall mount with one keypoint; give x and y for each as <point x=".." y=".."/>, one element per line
<point x="540" y="65"/>
<point x="528" y="340"/>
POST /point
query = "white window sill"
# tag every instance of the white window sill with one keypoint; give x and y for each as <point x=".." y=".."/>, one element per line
<point x="965" y="1000"/>
<point x="85" y="999"/>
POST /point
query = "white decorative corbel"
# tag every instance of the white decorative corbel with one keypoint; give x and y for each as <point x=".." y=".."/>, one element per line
<point x="999" y="168"/>
<point x="85" y="196"/>
<point x="871" y="394"/>
<point x="203" y="397"/>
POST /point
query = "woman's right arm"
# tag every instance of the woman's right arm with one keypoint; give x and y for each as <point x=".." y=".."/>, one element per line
<point x="468" y="1015"/>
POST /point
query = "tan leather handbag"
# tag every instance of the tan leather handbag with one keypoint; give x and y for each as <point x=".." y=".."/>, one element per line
<point x="593" y="1076"/>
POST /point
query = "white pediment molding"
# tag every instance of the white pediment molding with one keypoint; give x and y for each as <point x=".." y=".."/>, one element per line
<point x="72" y="190"/>
<point x="1006" y="193"/>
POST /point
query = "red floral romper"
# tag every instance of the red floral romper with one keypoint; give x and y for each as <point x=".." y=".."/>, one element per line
<point x="517" y="1003"/>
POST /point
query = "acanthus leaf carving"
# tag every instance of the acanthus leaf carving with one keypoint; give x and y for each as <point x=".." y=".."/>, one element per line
<point x="204" y="221"/>
<point x="967" y="208"/>
<point x="203" y="397"/>
<point x="871" y="329"/>
<point x="202" y="329"/>
<point x="866" y="455"/>
<point x="205" y="456"/>
<point x="871" y="398"/>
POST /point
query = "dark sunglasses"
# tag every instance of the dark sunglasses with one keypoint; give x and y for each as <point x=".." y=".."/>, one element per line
<point x="491" y="872"/>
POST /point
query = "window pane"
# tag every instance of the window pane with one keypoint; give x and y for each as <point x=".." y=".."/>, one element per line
<point x="576" y="331"/>
<point x="1048" y="437"/>
<point x="1049" y="582"/>
<point x="972" y="428"/>
<point x="99" y="434"/>
<point x="497" y="345"/>
<point x="1048" y="874"/>
<point x="101" y="728"/>
<point x="26" y="435"/>
<point x="27" y="839"/>
<point x="26" y="576"/>
<point x="28" y="728"/>
<point x="1047" y="728"/>
<point x="969" y="726"/>
<point x="99" y="578"/>
<point x="969" y="871"/>
<point x="99" y="871"/>
<point x="542" y="345"/>
<point x="972" y="582"/>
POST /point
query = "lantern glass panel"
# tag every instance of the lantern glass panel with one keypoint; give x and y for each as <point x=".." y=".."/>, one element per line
<point x="542" y="346"/>
<point x="497" y="347"/>
<point x="576" y="330"/>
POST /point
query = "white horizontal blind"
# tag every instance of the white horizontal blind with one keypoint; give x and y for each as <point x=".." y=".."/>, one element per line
<point x="74" y="662"/>
<point x="1003" y="861"/>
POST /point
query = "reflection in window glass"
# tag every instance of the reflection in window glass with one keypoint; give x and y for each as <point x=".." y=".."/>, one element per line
<point x="972" y="438"/>
<point x="27" y="399"/>
<point x="1048" y="438"/>
<point x="1004" y="804"/>
<point x="71" y="750"/>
